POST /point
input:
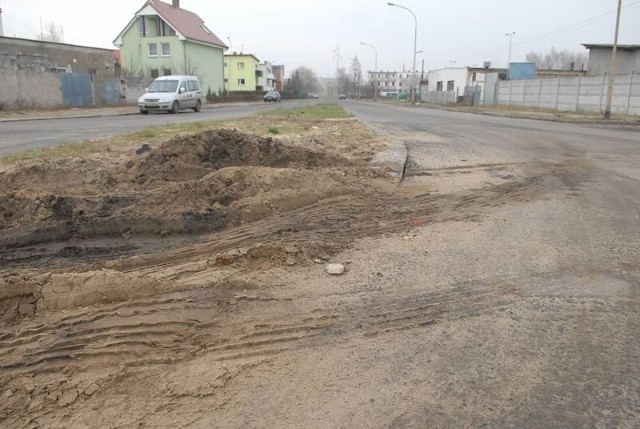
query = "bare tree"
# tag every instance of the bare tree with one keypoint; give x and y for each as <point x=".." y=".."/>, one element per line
<point x="555" y="59"/>
<point x="303" y="79"/>
<point x="356" y="76"/>
<point x="343" y="80"/>
<point x="52" y="32"/>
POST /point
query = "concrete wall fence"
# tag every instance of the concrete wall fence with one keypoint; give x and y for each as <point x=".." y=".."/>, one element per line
<point x="433" y="97"/>
<point x="573" y="93"/>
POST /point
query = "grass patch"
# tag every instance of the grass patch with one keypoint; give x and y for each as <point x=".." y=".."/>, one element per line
<point x="296" y="121"/>
<point x="109" y="144"/>
<point x="273" y="130"/>
<point x="322" y="111"/>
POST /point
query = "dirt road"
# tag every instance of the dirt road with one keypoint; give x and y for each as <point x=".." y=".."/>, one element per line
<point x="184" y="284"/>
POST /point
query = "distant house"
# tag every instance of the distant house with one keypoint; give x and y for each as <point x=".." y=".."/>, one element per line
<point x="391" y="83"/>
<point x="241" y="72"/>
<point x="265" y="77"/>
<point x="278" y="76"/>
<point x="463" y="82"/>
<point x="627" y="59"/>
<point x="163" y="39"/>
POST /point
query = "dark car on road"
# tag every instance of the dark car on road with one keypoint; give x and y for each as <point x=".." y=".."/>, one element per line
<point x="272" y="96"/>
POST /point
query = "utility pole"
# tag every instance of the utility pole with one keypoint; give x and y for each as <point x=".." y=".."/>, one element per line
<point x="612" y="72"/>
<point x="337" y="57"/>
<point x="1" y="30"/>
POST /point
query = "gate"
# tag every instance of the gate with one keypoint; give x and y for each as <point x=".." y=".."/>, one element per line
<point x="112" y="91"/>
<point x="77" y="89"/>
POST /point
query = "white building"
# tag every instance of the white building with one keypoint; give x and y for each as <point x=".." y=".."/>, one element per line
<point x="265" y="79"/>
<point x="391" y="83"/>
<point x="450" y="83"/>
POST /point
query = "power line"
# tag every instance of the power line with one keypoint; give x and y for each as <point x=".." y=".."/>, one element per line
<point x="556" y="32"/>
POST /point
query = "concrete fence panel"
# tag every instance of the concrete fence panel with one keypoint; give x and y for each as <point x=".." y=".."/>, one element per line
<point x="573" y="93"/>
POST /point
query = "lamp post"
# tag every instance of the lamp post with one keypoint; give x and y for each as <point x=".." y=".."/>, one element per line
<point x="415" y="41"/>
<point x="510" y="36"/>
<point x="375" y="70"/>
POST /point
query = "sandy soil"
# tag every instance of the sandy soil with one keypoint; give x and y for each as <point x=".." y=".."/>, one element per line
<point x="182" y="284"/>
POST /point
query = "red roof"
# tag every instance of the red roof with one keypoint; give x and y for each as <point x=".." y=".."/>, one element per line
<point x="186" y="23"/>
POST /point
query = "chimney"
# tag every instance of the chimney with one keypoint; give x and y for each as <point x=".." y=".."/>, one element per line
<point x="176" y="3"/>
<point x="1" y="31"/>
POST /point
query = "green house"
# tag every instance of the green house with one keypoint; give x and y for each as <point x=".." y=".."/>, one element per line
<point x="163" y="39"/>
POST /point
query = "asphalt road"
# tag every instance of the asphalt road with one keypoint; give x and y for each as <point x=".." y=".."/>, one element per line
<point x="23" y="135"/>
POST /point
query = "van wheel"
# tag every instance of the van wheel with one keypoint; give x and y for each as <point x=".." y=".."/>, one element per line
<point x="175" y="107"/>
<point x="198" y="105"/>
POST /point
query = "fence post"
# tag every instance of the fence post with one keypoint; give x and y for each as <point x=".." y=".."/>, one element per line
<point x="629" y="91"/>
<point x="524" y="92"/>
<point x="510" y="86"/>
<point x="557" y="91"/>
<point x="578" y="95"/>
<point x="604" y="77"/>
<point x="539" y="92"/>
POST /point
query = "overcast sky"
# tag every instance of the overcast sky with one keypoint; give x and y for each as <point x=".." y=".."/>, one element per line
<point x="307" y="32"/>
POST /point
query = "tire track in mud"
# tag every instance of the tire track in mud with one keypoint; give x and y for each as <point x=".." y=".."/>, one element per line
<point x="157" y="333"/>
<point x="338" y="221"/>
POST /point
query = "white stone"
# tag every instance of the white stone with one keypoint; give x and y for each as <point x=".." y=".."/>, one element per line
<point x="335" y="269"/>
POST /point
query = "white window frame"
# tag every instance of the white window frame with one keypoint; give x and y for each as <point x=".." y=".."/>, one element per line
<point x="149" y="45"/>
<point x="241" y="81"/>
<point x="162" y="46"/>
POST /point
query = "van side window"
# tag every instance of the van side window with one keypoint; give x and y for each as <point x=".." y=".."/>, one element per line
<point x="193" y="85"/>
<point x="183" y="86"/>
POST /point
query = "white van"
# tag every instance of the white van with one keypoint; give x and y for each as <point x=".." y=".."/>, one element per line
<point x="172" y="93"/>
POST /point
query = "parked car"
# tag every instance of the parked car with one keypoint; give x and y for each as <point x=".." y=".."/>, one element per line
<point x="342" y="97"/>
<point x="314" y="96"/>
<point x="272" y="96"/>
<point x="172" y="93"/>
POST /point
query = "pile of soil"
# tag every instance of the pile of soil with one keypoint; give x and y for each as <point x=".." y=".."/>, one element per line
<point x="190" y="184"/>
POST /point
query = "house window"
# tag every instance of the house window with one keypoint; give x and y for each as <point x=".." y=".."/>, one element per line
<point x="154" y="73"/>
<point x="166" y="72"/>
<point x="226" y="80"/>
<point x="160" y="29"/>
<point x="241" y="82"/>
<point x="439" y="86"/>
<point x="153" y="49"/>
<point x="473" y="77"/>
<point x="240" y="66"/>
<point x="226" y="64"/>
<point x="166" y="49"/>
<point x="450" y="85"/>
<point x="142" y="27"/>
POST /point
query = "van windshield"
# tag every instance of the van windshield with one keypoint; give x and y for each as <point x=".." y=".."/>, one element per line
<point x="163" y="86"/>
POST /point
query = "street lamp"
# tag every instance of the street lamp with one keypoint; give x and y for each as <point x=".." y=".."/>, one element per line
<point x="415" y="40"/>
<point x="375" y="90"/>
<point x="510" y="36"/>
